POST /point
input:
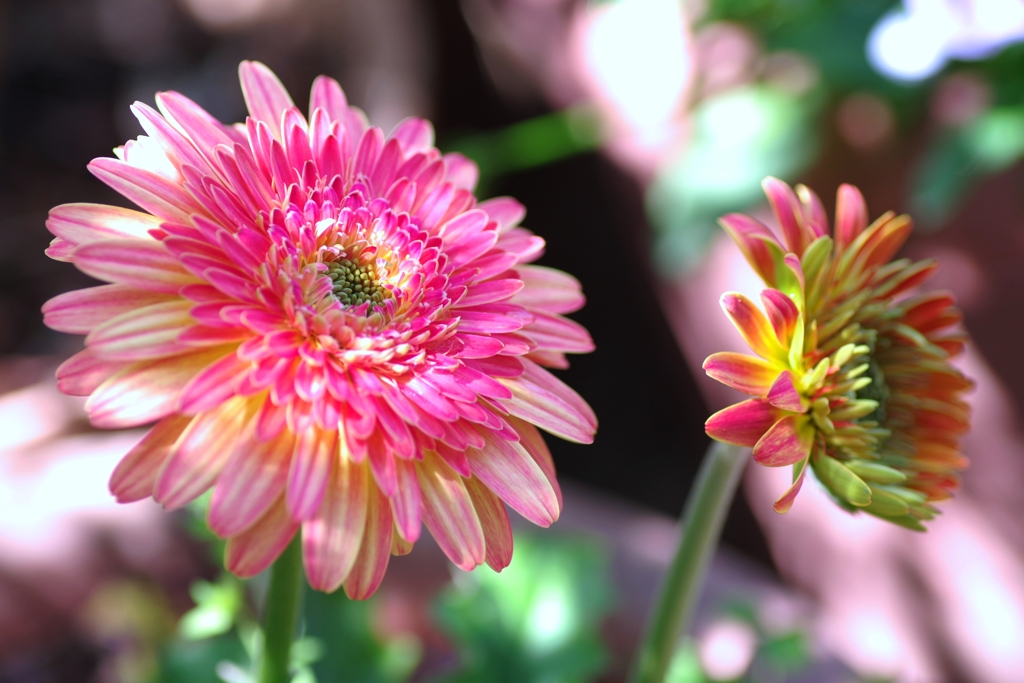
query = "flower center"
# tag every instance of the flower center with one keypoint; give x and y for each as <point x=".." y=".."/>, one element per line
<point x="354" y="285"/>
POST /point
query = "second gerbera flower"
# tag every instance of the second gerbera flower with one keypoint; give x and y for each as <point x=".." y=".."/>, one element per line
<point x="852" y="376"/>
<point x="327" y="329"/>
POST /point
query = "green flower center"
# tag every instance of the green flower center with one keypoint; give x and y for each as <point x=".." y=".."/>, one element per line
<point x="354" y="285"/>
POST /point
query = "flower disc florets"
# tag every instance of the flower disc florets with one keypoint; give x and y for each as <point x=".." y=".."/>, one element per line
<point x="326" y="328"/>
<point x="852" y="376"/>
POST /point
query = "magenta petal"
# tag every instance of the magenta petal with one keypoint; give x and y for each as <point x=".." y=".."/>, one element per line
<point x="787" y="441"/>
<point x="81" y="310"/>
<point x="83" y="223"/>
<point x="84" y="372"/>
<point x="783" y="394"/>
<point x="788" y="212"/>
<point x="332" y="538"/>
<point x="147" y="332"/>
<point x="406" y="503"/>
<point x="326" y="94"/>
<point x="416" y="135"/>
<point x="505" y="210"/>
<point x="753" y="238"/>
<point x="142" y="264"/>
<point x="742" y="424"/>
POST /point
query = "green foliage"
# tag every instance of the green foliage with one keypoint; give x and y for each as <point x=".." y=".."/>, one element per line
<point x="536" y="622"/>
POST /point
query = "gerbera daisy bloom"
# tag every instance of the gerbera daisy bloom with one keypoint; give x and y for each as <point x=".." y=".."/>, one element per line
<point x="852" y="374"/>
<point x="326" y="328"/>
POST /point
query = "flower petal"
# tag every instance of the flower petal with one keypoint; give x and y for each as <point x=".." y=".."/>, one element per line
<point x="505" y="210"/>
<point x="783" y="394"/>
<point x="316" y="450"/>
<point x="783" y="314"/>
<point x="375" y="549"/>
<point x="449" y="513"/>
<point x="143" y="264"/>
<point x="265" y="96"/>
<point x="134" y="476"/>
<point x="851" y="215"/>
<point x="787" y="441"/>
<point x="785" y="502"/>
<point x="81" y="310"/>
<point x="406" y="503"/>
<point x="146" y="332"/>
<point x="84" y="223"/>
<point x="494" y="522"/>
<point x="547" y="289"/>
<point x="788" y="212"/>
<point x="509" y="470"/>
<point x="332" y="538"/>
<point x="256" y="548"/>
<point x="252" y="480"/>
<point x="749" y="374"/>
<point x="753" y="326"/>
<point x="742" y="424"/>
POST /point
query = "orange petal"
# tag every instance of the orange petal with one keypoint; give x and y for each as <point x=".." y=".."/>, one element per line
<point x="754" y="326"/>
<point x="748" y="374"/>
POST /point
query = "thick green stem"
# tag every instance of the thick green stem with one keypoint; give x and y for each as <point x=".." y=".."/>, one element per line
<point x="706" y="509"/>
<point x="281" y="613"/>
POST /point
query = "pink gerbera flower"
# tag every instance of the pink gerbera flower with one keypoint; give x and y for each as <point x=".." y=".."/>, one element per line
<point x="326" y="328"/>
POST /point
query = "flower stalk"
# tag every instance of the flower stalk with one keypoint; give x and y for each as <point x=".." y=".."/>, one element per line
<point x="706" y="509"/>
<point x="281" y="613"/>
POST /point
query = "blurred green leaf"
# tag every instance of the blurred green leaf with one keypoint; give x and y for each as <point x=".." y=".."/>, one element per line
<point x="685" y="666"/>
<point x="215" y="610"/>
<point x="197" y="661"/>
<point x="351" y="652"/>
<point x="739" y="137"/>
<point x="537" y="621"/>
<point x="786" y="653"/>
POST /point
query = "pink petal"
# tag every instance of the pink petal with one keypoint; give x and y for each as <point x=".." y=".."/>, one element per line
<point x="748" y="374"/>
<point x="416" y="135"/>
<point x="462" y="172"/>
<point x="252" y="480"/>
<point x="505" y="210"/>
<point x="478" y="346"/>
<point x="742" y="424"/>
<point x="514" y="476"/>
<point x="787" y="441"/>
<point x="142" y="264"/>
<point x="406" y="503"/>
<point x="145" y="391"/>
<point x="547" y="289"/>
<point x="213" y="385"/>
<point x="783" y="394"/>
<point x="551" y="413"/>
<point x="753" y="326"/>
<point x="756" y="242"/>
<point x="316" y="451"/>
<point x="152" y="192"/>
<point x="196" y="123"/>
<point x="783" y="504"/>
<point x="79" y="311"/>
<point x="201" y="453"/>
<point x="814" y="211"/>
<point x="494" y="522"/>
<point x="555" y="333"/>
<point x="374" y="552"/>
<point x="783" y="314"/>
<point x="84" y="223"/>
<point x="84" y="372"/>
<point x="147" y="332"/>
<point x="449" y="513"/>
<point x="788" y="212"/>
<point x="332" y="538"/>
<point x="264" y="94"/>
<point x="134" y="476"/>
<point x="256" y="548"/>
<point x="531" y="439"/>
<point x="851" y="215"/>
<point x="328" y="95"/>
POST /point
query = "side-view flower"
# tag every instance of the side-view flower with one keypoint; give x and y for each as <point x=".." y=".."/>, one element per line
<point x="326" y="328"/>
<point x="852" y="376"/>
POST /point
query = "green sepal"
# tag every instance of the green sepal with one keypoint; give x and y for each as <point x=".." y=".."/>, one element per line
<point x="785" y="280"/>
<point x="876" y="473"/>
<point x="885" y="504"/>
<point x="841" y="481"/>
<point x="907" y="522"/>
<point x="814" y="258"/>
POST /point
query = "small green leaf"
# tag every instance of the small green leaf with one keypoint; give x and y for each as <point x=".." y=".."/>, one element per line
<point x="885" y="504"/>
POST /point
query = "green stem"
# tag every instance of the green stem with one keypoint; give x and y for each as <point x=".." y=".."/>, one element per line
<point x="706" y="509"/>
<point x="281" y="613"/>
